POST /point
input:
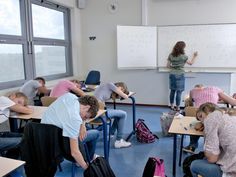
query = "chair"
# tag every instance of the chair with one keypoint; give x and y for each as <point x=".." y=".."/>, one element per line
<point x="43" y="148"/>
<point x="93" y="78"/>
<point x="47" y="100"/>
<point x="101" y="123"/>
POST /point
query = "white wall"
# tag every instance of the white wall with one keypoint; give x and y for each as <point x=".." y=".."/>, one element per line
<point x="151" y="86"/>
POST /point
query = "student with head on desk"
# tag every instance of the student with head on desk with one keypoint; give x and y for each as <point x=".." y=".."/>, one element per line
<point x="69" y="113"/>
<point x="33" y="87"/>
<point x="115" y="91"/>
<point x="66" y="86"/>
<point x="202" y="94"/>
<point x="16" y="102"/>
<point x="176" y="61"/>
<point x="219" y="144"/>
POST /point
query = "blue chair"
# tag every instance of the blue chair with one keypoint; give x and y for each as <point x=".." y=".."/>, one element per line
<point x="93" y="78"/>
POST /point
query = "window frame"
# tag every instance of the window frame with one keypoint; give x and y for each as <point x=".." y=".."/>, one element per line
<point x="28" y="41"/>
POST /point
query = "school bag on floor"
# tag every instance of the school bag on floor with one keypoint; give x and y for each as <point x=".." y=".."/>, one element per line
<point x="166" y="120"/>
<point x="154" y="167"/>
<point x="187" y="162"/>
<point x="143" y="134"/>
<point x="99" y="168"/>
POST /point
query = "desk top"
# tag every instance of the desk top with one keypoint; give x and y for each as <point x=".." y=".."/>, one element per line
<point x="8" y="165"/>
<point x="39" y="110"/>
<point x="37" y="113"/>
<point x="182" y="126"/>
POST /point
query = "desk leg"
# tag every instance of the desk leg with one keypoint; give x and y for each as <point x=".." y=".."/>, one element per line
<point x="134" y="118"/>
<point x="174" y="155"/>
<point x="181" y="151"/>
<point x="13" y="125"/>
<point x="105" y="143"/>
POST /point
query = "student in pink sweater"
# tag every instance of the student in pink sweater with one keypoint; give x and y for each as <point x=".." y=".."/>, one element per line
<point x="66" y="86"/>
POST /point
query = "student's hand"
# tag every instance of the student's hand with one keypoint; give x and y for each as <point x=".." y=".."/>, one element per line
<point x="199" y="126"/>
<point x="195" y="54"/>
<point x="82" y="132"/>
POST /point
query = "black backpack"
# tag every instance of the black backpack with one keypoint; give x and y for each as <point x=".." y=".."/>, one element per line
<point x="187" y="162"/>
<point x="99" y="168"/>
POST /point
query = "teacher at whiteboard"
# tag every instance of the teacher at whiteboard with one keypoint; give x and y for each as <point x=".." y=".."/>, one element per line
<point x="176" y="62"/>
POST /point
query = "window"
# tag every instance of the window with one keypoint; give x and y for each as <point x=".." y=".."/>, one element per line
<point x="32" y="44"/>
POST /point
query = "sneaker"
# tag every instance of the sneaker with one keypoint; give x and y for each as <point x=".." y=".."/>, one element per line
<point x="121" y="143"/>
<point x="189" y="149"/>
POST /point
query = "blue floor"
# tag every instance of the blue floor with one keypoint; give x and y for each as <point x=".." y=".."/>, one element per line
<point x="130" y="162"/>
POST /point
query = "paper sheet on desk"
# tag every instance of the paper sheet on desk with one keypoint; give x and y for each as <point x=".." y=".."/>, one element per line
<point x="179" y="116"/>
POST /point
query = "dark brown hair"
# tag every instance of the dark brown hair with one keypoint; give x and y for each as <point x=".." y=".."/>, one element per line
<point x="92" y="102"/>
<point x="178" y="49"/>
<point x="114" y="95"/>
<point x="40" y="78"/>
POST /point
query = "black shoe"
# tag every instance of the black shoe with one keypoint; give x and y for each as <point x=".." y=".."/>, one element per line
<point x="189" y="149"/>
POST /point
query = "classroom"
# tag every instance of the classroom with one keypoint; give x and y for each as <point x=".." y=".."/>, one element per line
<point x="73" y="37"/>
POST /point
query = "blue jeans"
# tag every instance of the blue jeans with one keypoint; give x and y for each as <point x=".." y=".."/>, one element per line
<point x="9" y="140"/>
<point x="178" y="97"/>
<point x="91" y="141"/>
<point x="119" y="117"/>
<point x="204" y="168"/>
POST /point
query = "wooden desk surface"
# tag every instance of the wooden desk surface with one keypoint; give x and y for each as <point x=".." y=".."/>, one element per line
<point x="8" y="165"/>
<point x="182" y="126"/>
<point x="37" y="113"/>
<point x="39" y="110"/>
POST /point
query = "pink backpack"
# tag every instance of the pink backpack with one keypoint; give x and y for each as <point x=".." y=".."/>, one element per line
<point x="154" y="168"/>
<point x="143" y="134"/>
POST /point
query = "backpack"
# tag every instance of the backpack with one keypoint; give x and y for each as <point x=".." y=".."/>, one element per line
<point x="187" y="162"/>
<point x="99" y="168"/>
<point x="143" y="134"/>
<point x="154" y="167"/>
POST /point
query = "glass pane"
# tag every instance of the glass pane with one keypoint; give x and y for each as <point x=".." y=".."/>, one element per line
<point x="50" y="60"/>
<point x="10" y="17"/>
<point x="12" y="65"/>
<point x="48" y="25"/>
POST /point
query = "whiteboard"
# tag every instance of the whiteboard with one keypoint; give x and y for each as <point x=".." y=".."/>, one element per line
<point x="136" y="47"/>
<point x="216" y="45"/>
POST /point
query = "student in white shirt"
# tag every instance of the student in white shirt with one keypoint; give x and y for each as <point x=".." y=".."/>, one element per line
<point x="16" y="102"/>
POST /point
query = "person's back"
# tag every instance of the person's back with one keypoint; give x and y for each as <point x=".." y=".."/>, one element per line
<point x="225" y="145"/>
<point x="30" y="90"/>
<point x="201" y="95"/>
<point x="61" y="88"/>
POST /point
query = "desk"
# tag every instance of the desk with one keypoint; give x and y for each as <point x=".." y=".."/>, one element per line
<point x="8" y="165"/>
<point x="37" y="114"/>
<point x="181" y="126"/>
<point x="134" y="114"/>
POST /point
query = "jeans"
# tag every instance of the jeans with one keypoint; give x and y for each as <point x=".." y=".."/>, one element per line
<point x="194" y="141"/>
<point x="9" y="140"/>
<point x="178" y="97"/>
<point x="91" y="141"/>
<point x="119" y="117"/>
<point x="206" y="169"/>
